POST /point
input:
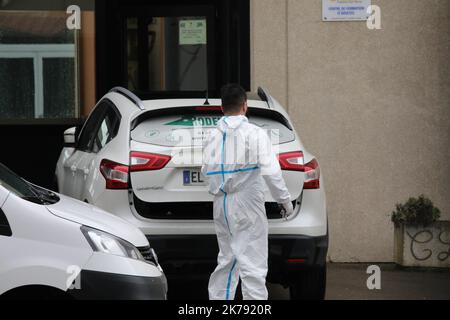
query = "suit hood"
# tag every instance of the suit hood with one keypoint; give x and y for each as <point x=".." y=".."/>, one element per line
<point x="231" y="122"/>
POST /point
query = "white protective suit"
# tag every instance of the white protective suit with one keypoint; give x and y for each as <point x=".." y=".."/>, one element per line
<point x="237" y="158"/>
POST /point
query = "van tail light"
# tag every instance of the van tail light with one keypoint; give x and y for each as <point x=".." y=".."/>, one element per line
<point x="293" y="161"/>
<point x="115" y="174"/>
<point x="143" y="161"/>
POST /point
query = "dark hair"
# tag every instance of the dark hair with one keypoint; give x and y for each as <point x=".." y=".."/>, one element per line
<point x="233" y="96"/>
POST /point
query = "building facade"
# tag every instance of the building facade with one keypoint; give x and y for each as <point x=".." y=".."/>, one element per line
<point x="372" y="105"/>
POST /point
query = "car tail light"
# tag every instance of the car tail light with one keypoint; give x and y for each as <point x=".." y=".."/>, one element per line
<point x="312" y="175"/>
<point x="293" y="161"/>
<point x="143" y="161"/>
<point x="115" y="174"/>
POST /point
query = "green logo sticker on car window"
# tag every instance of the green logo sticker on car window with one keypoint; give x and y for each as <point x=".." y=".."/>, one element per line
<point x="190" y="121"/>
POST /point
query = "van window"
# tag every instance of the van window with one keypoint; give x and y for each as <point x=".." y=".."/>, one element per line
<point x="15" y="184"/>
<point x="25" y="190"/>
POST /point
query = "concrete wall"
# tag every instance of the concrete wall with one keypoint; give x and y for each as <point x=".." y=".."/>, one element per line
<point x="373" y="106"/>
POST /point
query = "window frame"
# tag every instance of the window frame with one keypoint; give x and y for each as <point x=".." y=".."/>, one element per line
<point x="39" y="52"/>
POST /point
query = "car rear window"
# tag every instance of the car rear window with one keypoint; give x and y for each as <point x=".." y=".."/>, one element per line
<point x="191" y="130"/>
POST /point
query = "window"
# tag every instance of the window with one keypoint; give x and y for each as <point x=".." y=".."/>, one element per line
<point x="101" y="127"/>
<point x="59" y="86"/>
<point x="18" y="96"/>
<point x="189" y="128"/>
<point x="167" y="53"/>
<point x="15" y="184"/>
<point x="108" y="129"/>
<point x="89" y="128"/>
<point x="38" y="66"/>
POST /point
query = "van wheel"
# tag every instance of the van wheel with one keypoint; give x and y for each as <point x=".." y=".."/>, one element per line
<point x="310" y="284"/>
<point x="35" y="292"/>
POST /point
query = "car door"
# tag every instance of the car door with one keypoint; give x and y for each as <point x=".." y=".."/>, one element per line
<point x="74" y="166"/>
<point x="108" y="126"/>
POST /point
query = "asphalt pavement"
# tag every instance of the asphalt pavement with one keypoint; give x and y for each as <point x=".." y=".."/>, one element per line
<point x="348" y="282"/>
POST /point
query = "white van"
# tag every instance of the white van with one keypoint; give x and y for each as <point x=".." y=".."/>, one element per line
<point x="52" y="246"/>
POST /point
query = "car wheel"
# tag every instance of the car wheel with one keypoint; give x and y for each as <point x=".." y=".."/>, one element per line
<point x="309" y="284"/>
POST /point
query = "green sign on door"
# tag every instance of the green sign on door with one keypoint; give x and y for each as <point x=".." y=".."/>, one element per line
<point x="192" y="32"/>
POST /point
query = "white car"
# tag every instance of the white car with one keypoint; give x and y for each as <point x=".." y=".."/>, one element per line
<point x="132" y="158"/>
<point x="55" y="247"/>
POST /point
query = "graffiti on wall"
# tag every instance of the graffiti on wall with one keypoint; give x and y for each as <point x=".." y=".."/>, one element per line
<point x="423" y="241"/>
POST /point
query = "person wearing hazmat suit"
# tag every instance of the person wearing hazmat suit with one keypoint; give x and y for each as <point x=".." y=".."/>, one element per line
<point x="237" y="161"/>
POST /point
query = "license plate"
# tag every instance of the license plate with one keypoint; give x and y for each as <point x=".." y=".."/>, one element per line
<point x="193" y="178"/>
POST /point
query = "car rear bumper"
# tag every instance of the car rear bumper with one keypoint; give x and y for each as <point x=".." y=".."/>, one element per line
<point x="96" y="285"/>
<point x="196" y="255"/>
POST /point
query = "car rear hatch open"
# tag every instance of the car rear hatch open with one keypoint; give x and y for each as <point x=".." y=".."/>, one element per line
<point x="166" y="159"/>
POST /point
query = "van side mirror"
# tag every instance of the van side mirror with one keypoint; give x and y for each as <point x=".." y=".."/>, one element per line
<point x="70" y="137"/>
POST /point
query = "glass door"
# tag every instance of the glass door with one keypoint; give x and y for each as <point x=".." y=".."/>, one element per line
<point x="172" y="48"/>
<point x="169" y="50"/>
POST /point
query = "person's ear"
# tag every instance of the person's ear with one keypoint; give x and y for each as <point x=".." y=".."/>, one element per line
<point x="245" y="107"/>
